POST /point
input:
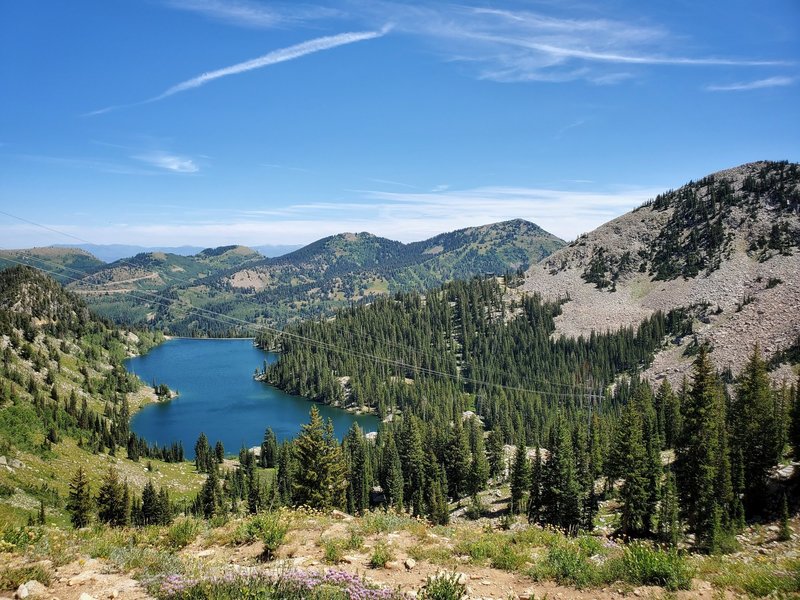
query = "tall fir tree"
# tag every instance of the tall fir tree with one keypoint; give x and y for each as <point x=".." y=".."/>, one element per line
<point x="479" y="464"/>
<point x="392" y="472"/>
<point x="79" y="502"/>
<point x="702" y="457"/>
<point x="321" y="477"/>
<point x="755" y="430"/>
<point x="520" y="477"/>
<point x="112" y="505"/>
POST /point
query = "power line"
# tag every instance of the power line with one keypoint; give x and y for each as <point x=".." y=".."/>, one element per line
<point x="414" y="351"/>
<point x="229" y="320"/>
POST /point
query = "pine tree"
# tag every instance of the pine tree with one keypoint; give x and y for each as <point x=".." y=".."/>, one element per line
<point x="520" y="477"/>
<point x="479" y="465"/>
<point x="457" y="460"/>
<point x="669" y="526"/>
<point x="631" y="454"/>
<point x="412" y="459"/>
<point x="320" y="479"/>
<point x="79" y="503"/>
<point x="150" y="509"/>
<point x="495" y="453"/>
<point x="202" y="454"/>
<point x="111" y="507"/>
<point x="561" y="493"/>
<point x="535" y="496"/>
<point x="219" y="452"/>
<point x="670" y="402"/>
<point x="392" y="473"/>
<point x="210" y="496"/>
<point x="702" y="457"/>
<point x="269" y="449"/>
<point x="360" y="478"/>
<point x="755" y="430"/>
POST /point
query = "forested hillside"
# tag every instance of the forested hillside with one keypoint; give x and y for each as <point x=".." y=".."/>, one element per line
<point x="64" y="264"/>
<point x="65" y="397"/>
<point x="314" y="280"/>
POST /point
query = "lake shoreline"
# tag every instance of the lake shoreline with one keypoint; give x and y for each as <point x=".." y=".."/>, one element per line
<point x="220" y="396"/>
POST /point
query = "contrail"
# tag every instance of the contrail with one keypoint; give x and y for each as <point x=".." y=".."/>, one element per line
<point x="274" y="57"/>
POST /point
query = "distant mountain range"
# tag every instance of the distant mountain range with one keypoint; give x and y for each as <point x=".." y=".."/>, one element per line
<point x="163" y="288"/>
<point x="111" y="252"/>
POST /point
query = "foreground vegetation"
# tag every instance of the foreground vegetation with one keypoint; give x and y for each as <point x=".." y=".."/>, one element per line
<point x="164" y="559"/>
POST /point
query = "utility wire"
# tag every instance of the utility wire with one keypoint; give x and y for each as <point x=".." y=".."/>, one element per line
<point x="230" y="320"/>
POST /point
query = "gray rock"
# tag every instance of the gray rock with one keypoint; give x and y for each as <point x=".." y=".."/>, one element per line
<point x="85" y="596"/>
<point x="15" y="464"/>
<point x="3" y="461"/>
<point x="410" y="563"/>
<point x="22" y="592"/>
<point x="35" y="588"/>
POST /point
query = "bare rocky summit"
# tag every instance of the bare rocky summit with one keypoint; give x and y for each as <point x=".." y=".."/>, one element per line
<point x="728" y="245"/>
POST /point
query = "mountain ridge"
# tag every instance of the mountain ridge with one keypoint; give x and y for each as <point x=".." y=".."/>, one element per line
<point x="314" y="280"/>
<point x="729" y="241"/>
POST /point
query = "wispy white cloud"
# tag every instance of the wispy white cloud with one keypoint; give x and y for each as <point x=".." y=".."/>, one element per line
<point x="254" y="14"/>
<point x="525" y="45"/>
<point x="272" y="58"/>
<point x="275" y="57"/>
<point x="758" y="84"/>
<point x="168" y="162"/>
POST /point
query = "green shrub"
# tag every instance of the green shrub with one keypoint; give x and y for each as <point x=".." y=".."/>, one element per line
<point x="11" y="579"/>
<point x="381" y="555"/>
<point x="566" y="563"/>
<point x="271" y="528"/>
<point x="183" y="532"/>
<point x="355" y="541"/>
<point x="333" y="551"/>
<point x="643" y="565"/>
<point x="479" y="549"/>
<point x="508" y="558"/>
<point x="443" y="587"/>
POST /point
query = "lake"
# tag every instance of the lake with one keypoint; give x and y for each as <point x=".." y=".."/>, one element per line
<point x="219" y="396"/>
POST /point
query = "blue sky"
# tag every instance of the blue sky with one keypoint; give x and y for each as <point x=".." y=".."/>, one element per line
<point x="211" y="122"/>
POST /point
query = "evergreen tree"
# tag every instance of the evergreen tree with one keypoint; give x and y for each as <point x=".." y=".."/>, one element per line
<point x="535" y="496"/>
<point x="79" y="503"/>
<point x="669" y="526"/>
<point x="457" y="460"/>
<point x="202" y="454"/>
<point x="520" y="477"/>
<point x="495" y="453"/>
<point x="320" y="479"/>
<point x="111" y="507"/>
<point x="702" y="456"/>
<point x="670" y="402"/>
<point x="755" y="430"/>
<point x="785" y="530"/>
<point x="150" y="510"/>
<point x="219" y="452"/>
<point x="561" y="492"/>
<point x="479" y="464"/>
<point x="392" y="480"/>
<point x="210" y="495"/>
<point x="354" y="448"/>
<point x="631" y="451"/>
<point x="269" y="449"/>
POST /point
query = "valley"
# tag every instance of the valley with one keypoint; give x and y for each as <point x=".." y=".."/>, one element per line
<point x="615" y="416"/>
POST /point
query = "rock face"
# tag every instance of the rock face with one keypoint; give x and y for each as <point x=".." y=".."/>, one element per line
<point x="729" y="244"/>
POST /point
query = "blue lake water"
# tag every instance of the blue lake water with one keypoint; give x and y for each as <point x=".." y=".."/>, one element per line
<point x="219" y="396"/>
